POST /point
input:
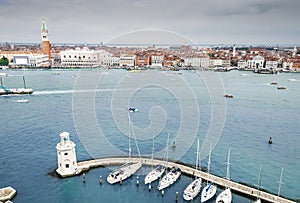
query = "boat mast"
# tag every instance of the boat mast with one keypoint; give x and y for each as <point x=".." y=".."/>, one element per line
<point x="228" y="163"/>
<point x="280" y="182"/>
<point x="1" y="84"/>
<point x="152" y="150"/>
<point x="208" y="165"/>
<point x="259" y="181"/>
<point x="197" y="157"/>
<point x="129" y="146"/>
<point x="24" y="82"/>
<point x="167" y="153"/>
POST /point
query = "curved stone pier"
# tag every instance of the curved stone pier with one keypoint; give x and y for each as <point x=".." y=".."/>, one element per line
<point x="243" y="189"/>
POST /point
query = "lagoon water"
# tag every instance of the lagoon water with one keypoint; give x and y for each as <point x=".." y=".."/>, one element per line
<point x="30" y="131"/>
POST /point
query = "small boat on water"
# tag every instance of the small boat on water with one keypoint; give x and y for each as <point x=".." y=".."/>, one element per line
<point x="169" y="178"/>
<point x="228" y="95"/>
<point x="209" y="190"/>
<point x="281" y="88"/>
<point x="126" y="170"/>
<point x="292" y="80"/>
<point x="274" y="83"/>
<point x="22" y="100"/>
<point x="225" y="196"/>
<point x="193" y="189"/>
<point x="132" y="109"/>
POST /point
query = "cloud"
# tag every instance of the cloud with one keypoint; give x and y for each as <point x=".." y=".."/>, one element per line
<point x="205" y="21"/>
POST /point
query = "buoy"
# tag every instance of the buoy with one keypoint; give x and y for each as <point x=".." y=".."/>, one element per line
<point x="149" y="188"/>
<point x="137" y="181"/>
<point x="174" y="145"/>
<point x="270" y="140"/>
<point x="162" y="193"/>
<point x="121" y="181"/>
<point x="100" y="180"/>
<point x="176" y="196"/>
<point x="83" y="178"/>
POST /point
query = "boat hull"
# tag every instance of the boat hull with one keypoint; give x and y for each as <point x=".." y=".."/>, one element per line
<point x="154" y="174"/>
<point x="192" y="190"/>
<point x="225" y="196"/>
<point x="123" y="172"/>
<point x="208" y="192"/>
<point x="169" y="179"/>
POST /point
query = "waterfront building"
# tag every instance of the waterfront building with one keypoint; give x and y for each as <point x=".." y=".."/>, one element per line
<point x="202" y="62"/>
<point x="82" y="58"/>
<point x="271" y="63"/>
<point x="66" y="156"/>
<point x="256" y="62"/>
<point x="242" y="64"/>
<point x="111" y="61"/>
<point x="142" y="60"/>
<point x="29" y="60"/>
<point x="157" y="60"/>
<point x="127" y="60"/>
<point x="45" y="40"/>
<point x="215" y="63"/>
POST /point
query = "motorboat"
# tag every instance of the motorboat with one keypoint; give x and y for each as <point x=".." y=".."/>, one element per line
<point x="228" y="95"/>
<point x="124" y="172"/>
<point x="169" y="178"/>
<point x="155" y="174"/>
<point x="132" y="109"/>
<point x="281" y="88"/>
<point x="193" y="189"/>
<point x="22" y="100"/>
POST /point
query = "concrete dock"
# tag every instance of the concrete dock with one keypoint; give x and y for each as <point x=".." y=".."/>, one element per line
<point x="237" y="187"/>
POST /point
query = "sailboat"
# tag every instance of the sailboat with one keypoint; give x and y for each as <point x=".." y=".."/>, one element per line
<point x="170" y="177"/>
<point x="156" y="173"/>
<point x="226" y="196"/>
<point x="126" y="170"/>
<point x="259" y="185"/>
<point x="209" y="190"/>
<point x="6" y="91"/>
<point x="193" y="189"/>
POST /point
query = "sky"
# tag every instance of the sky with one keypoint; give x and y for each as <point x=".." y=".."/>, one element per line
<point x="152" y="21"/>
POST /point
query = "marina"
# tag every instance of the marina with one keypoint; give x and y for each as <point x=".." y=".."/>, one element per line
<point x="237" y="187"/>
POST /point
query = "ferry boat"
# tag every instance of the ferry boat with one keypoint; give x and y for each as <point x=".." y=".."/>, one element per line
<point x="170" y="178"/>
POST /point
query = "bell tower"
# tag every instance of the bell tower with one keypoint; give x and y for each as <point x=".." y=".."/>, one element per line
<point x="66" y="156"/>
<point x="45" y="40"/>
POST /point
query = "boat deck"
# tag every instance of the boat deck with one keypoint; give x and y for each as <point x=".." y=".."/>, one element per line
<point x="237" y="187"/>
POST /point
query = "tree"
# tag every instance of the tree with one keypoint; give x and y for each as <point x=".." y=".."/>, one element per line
<point x="4" y="61"/>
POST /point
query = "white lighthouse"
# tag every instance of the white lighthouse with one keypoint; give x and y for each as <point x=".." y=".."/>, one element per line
<point x="66" y="156"/>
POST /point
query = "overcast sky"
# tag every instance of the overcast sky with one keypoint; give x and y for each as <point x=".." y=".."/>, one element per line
<point x="152" y="21"/>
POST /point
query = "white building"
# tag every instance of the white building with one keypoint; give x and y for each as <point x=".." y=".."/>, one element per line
<point x="196" y="62"/>
<point x="110" y="61"/>
<point x="82" y="57"/>
<point x="215" y="62"/>
<point x="127" y="61"/>
<point x="256" y="62"/>
<point x="66" y="156"/>
<point x="30" y="60"/>
<point x="157" y="60"/>
<point x="242" y="64"/>
<point x="271" y="64"/>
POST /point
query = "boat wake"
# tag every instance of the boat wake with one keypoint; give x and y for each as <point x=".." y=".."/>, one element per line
<point x="70" y="91"/>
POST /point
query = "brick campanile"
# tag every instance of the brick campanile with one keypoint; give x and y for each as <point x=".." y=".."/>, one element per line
<point x="45" y="40"/>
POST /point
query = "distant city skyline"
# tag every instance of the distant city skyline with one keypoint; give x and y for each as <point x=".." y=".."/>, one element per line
<point x="152" y="22"/>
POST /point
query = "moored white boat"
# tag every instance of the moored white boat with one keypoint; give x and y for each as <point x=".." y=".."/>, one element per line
<point x="169" y="178"/>
<point x="22" y="100"/>
<point x="154" y="174"/>
<point x="124" y="172"/>
<point x="193" y="189"/>
<point x="258" y="201"/>
<point x="209" y="190"/>
<point x="225" y="196"/>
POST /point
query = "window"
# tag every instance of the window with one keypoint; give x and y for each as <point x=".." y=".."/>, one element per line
<point x="67" y="165"/>
<point x="66" y="153"/>
<point x="69" y="56"/>
<point x="64" y="56"/>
